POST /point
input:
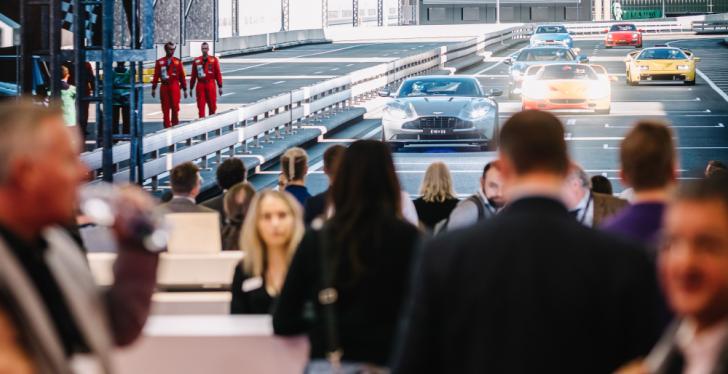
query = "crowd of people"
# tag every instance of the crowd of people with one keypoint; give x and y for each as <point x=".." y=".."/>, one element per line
<point x="543" y="268"/>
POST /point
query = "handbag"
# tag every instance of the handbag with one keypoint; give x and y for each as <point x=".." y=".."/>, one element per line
<point x="328" y="296"/>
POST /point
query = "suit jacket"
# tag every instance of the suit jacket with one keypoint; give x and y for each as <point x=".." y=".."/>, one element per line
<point x="606" y="206"/>
<point x="315" y="206"/>
<point x="216" y="204"/>
<point x="663" y="356"/>
<point x="528" y="291"/>
<point x="104" y="319"/>
<point x="182" y="205"/>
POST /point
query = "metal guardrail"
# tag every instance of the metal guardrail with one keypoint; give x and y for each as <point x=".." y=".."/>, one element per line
<point x="240" y="129"/>
<point x="710" y="27"/>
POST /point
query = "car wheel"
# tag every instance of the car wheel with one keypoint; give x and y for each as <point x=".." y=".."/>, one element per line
<point x="493" y="143"/>
<point x="690" y="83"/>
<point x="639" y="46"/>
<point x="608" y="46"/>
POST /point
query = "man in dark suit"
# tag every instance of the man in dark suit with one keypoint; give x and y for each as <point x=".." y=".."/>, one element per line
<point x="229" y="173"/>
<point x="185" y="181"/>
<point x="531" y="290"/>
<point x="316" y="205"/>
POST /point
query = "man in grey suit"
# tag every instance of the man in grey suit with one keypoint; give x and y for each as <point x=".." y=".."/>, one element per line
<point x="693" y="266"/>
<point x="185" y="181"/>
<point x="43" y="273"/>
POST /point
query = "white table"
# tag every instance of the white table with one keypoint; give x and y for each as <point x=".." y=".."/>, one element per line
<point x="212" y="344"/>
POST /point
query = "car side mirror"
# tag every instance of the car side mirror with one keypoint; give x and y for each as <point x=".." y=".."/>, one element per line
<point x="508" y="61"/>
<point x="583" y="59"/>
<point x="385" y="93"/>
<point x="696" y="59"/>
<point x="606" y="31"/>
<point x="494" y="92"/>
<point x="641" y="30"/>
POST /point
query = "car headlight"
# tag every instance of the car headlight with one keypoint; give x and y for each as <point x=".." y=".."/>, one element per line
<point x="609" y="36"/>
<point x="635" y="35"/>
<point x="683" y="67"/>
<point x="478" y="112"/>
<point x="537" y="91"/>
<point x="644" y="67"/>
<point x="399" y="113"/>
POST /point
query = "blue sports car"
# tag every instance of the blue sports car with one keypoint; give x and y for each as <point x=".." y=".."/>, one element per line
<point x="551" y="34"/>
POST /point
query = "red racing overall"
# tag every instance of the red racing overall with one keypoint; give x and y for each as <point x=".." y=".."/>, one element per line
<point x="172" y="75"/>
<point x="206" y="73"/>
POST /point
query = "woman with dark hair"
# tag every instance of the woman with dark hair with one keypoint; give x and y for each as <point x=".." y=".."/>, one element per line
<point x="294" y="167"/>
<point x="236" y="203"/>
<point x="354" y="269"/>
<point x="601" y="184"/>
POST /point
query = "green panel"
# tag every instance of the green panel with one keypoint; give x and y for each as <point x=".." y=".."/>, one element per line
<point x="641" y="13"/>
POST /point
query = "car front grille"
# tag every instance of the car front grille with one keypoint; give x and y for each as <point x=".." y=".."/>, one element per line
<point x="665" y="77"/>
<point x="438" y="123"/>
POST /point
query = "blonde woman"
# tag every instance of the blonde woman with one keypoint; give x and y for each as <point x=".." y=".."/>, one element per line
<point x="438" y="198"/>
<point x="271" y="233"/>
<point x="294" y="167"/>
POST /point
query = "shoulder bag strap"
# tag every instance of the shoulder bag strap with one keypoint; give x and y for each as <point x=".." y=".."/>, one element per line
<point x="480" y="205"/>
<point x="328" y="296"/>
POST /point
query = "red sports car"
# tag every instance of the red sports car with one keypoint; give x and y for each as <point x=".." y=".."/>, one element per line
<point x="623" y="34"/>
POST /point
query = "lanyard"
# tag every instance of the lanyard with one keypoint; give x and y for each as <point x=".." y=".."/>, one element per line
<point x="586" y="208"/>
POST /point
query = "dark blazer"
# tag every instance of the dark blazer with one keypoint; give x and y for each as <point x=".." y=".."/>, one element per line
<point x="182" y="205"/>
<point x="216" y="204"/>
<point x="606" y="206"/>
<point x="529" y="291"/>
<point x="315" y="206"/>
<point x="369" y="304"/>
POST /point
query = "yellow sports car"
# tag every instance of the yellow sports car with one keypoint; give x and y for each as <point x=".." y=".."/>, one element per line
<point x="576" y="87"/>
<point x="661" y="64"/>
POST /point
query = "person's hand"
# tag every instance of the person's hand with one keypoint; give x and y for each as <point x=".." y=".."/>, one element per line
<point x="185" y="92"/>
<point x="13" y="358"/>
<point x="633" y="367"/>
<point x="219" y="91"/>
<point x="154" y="92"/>
<point x="135" y="217"/>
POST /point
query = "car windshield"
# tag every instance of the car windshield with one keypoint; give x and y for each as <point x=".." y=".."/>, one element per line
<point x="623" y="28"/>
<point x="551" y="30"/>
<point x="662" y="54"/>
<point x="546" y="54"/>
<point x="439" y="87"/>
<point x="568" y="72"/>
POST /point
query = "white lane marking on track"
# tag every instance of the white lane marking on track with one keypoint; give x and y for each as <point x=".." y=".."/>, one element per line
<point x="154" y="113"/>
<point x="712" y="84"/>
<point x="571" y="122"/>
<point x="279" y="82"/>
<point x="254" y="88"/>
<point x="271" y="77"/>
<point x="334" y="69"/>
<point x="349" y="64"/>
<point x="317" y="72"/>
<point x="227" y="94"/>
<point x="720" y="125"/>
<point x="491" y="76"/>
<point x="305" y="55"/>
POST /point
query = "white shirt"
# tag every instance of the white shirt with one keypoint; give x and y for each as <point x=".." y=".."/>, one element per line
<point x="585" y="210"/>
<point x="701" y="351"/>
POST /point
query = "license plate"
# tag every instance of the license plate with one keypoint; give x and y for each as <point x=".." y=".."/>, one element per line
<point x="438" y="131"/>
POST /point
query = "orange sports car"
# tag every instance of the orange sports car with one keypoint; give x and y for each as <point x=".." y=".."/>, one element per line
<point x="567" y="87"/>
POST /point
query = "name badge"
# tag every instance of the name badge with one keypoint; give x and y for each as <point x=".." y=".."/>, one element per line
<point x="251" y="284"/>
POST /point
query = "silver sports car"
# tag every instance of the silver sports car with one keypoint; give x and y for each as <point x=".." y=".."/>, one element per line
<point x="441" y="110"/>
